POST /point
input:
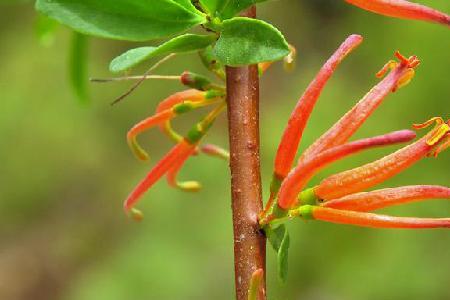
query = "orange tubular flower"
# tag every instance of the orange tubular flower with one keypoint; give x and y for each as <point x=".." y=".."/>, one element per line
<point x="302" y="111"/>
<point x="368" y="219"/>
<point x="401" y="73"/>
<point x="368" y="201"/>
<point x="191" y="95"/>
<point x="292" y="135"/>
<point x="305" y="170"/>
<point x="172" y="161"/>
<point x="169" y="108"/>
<point x="188" y="186"/>
<point x="403" y="9"/>
<point x="178" y="154"/>
<point x="358" y="179"/>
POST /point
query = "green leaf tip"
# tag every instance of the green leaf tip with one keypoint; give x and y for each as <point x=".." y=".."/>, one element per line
<point x="245" y="41"/>
<point x="132" y="20"/>
<point x="78" y="66"/>
<point x="180" y="44"/>
<point x="280" y="241"/>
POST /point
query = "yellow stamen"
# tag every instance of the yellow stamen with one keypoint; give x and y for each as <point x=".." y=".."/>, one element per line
<point x="438" y="134"/>
<point x="437" y="120"/>
<point x="406" y="78"/>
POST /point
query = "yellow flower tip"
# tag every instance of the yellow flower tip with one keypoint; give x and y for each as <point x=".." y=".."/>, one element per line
<point x="441" y="133"/>
<point x="405" y="79"/>
<point x="189" y="186"/>
<point x="136" y="214"/>
<point x="136" y="149"/>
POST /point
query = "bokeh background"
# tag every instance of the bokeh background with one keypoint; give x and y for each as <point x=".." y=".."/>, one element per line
<point x="65" y="169"/>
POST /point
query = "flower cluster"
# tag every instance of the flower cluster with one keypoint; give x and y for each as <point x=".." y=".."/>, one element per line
<point x="202" y="93"/>
<point x="339" y="198"/>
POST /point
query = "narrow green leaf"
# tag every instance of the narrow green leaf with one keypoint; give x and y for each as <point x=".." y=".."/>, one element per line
<point x="230" y="8"/>
<point x="188" y="5"/>
<point x="78" y="66"/>
<point x="282" y="256"/>
<point x="134" y="20"/>
<point x="280" y="241"/>
<point x="183" y="43"/>
<point x="45" y="29"/>
<point x="246" y="41"/>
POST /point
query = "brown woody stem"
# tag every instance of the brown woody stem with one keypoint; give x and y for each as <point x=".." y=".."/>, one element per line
<point x="243" y="126"/>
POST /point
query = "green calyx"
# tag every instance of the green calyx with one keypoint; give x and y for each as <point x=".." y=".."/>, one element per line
<point x="182" y="108"/>
<point x="197" y="132"/>
<point x="308" y="197"/>
<point x="212" y="94"/>
<point x="306" y="212"/>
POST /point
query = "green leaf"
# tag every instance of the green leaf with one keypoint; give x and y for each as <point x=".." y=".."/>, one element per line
<point x="78" y="66"/>
<point x="188" y="5"/>
<point x="183" y="43"/>
<point x="134" y="20"/>
<point x="282" y="257"/>
<point x="212" y="6"/>
<point x="280" y="241"/>
<point x="230" y="8"/>
<point x="45" y="29"/>
<point x="246" y="41"/>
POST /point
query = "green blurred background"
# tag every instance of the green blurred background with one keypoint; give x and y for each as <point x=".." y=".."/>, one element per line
<point x="66" y="169"/>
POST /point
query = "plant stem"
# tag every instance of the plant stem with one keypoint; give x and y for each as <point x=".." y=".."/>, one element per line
<point x="243" y="126"/>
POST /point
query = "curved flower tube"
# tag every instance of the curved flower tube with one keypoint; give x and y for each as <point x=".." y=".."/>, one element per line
<point x="368" y="219"/>
<point x="403" y="9"/>
<point x="216" y="151"/>
<point x="188" y="186"/>
<point x="176" y="156"/>
<point x="180" y="152"/>
<point x="292" y="135"/>
<point x="358" y="179"/>
<point x="287" y="149"/>
<point x="305" y="170"/>
<point x="369" y="201"/>
<point x="170" y="108"/>
<point x="340" y="132"/>
<point x="191" y="95"/>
